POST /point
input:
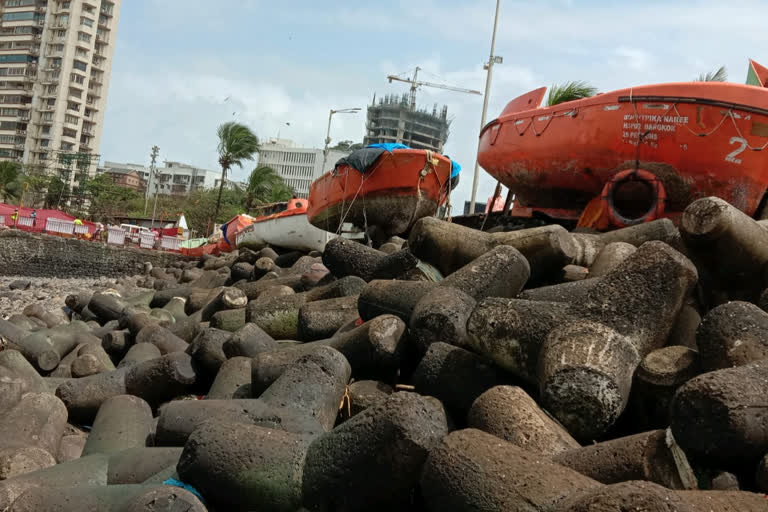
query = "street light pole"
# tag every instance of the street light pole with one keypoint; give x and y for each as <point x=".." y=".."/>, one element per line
<point x="493" y="59"/>
<point x="153" y="174"/>
<point x="328" y="132"/>
<point x="153" y="155"/>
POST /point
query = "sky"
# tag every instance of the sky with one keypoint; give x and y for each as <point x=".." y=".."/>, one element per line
<point x="182" y="67"/>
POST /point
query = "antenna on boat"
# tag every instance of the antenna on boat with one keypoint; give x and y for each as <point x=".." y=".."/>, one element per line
<point x="416" y="83"/>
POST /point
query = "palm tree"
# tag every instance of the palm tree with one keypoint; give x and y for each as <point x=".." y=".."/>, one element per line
<point x="9" y="176"/>
<point x="721" y="75"/>
<point x="569" y="91"/>
<point x="266" y="186"/>
<point x="237" y="143"/>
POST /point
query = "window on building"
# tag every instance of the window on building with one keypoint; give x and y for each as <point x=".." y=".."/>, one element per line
<point x="86" y="21"/>
<point x="71" y="105"/>
<point x="68" y="132"/>
<point x="77" y="79"/>
<point x="8" y="112"/>
<point x="70" y="119"/>
<point x="51" y="102"/>
<point x="82" y="36"/>
<point x="16" y="58"/>
<point x="75" y="93"/>
<point x="44" y="143"/>
<point x="46" y="130"/>
<point x="20" y="16"/>
<point x="67" y="146"/>
<point x="8" y="125"/>
<point x="82" y="66"/>
<point x="47" y="116"/>
<point x="81" y="52"/>
<point x="51" y="89"/>
<point x="19" y="3"/>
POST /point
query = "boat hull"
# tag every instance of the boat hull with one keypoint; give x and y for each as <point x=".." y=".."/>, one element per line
<point x="287" y="231"/>
<point x="403" y="186"/>
<point x="696" y="139"/>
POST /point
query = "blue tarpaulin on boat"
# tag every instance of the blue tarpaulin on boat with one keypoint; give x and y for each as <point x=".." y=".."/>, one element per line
<point x="388" y="146"/>
<point x="363" y="159"/>
<point x="455" y="167"/>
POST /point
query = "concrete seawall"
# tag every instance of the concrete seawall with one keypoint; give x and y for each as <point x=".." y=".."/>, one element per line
<point x="34" y="255"/>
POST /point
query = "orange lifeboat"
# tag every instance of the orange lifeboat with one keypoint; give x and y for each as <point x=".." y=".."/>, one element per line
<point x="397" y="189"/>
<point x="633" y="155"/>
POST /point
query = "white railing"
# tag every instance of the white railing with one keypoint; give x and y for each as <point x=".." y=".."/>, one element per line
<point x="27" y="222"/>
<point x="116" y="236"/>
<point x="171" y="243"/>
<point x="81" y="229"/>
<point x="147" y="240"/>
<point x="60" y="226"/>
<point x="2" y="220"/>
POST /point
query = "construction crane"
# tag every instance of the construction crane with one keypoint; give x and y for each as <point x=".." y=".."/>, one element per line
<point x="415" y="84"/>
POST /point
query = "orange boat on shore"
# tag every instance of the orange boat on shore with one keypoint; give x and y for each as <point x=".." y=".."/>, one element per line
<point x="633" y="155"/>
<point x="398" y="188"/>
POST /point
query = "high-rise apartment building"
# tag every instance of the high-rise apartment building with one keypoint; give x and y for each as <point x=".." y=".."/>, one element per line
<point x="396" y="119"/>
<point x="298" y="167"/>
<point x="55" y="63"/>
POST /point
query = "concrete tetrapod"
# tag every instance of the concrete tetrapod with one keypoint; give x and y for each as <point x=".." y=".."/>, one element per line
<point x="248" y="341"/>
<point x="83" y="397"/>
<point x="454" y="376"/>
<point x="586" y="364"/>
<point x="85" y="471"/>
<point x="450" y="246"/>
<point x="441" y="315"/>
<point x="136" y="465"/>
<point x="305" y="399"/>
<point x="373" y="461"/>
<point x="162" y="379"/>
<point x="112" y="498"/>
<point x="472" y="470"/>
<point x="650" y="497"/>
<point x="314" y="384"/>
<point x="712" y="228"/>
<point x="373" y="349"/>
<point x="511" y="332"/>
<point x="510" y="414"/>
<point x="32" y="432"/>
<point x="218" y="460"/>
<point x="123" y="422"/>
<point x="645" y="456"/>
<point x="732" y="334"/>
<point x="720" y="415"/>
<point x="233" y="380"/>
<point x="178" y="419"/>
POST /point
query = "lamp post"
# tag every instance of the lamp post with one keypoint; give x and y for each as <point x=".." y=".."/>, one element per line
<point x="328" y="134"/>
<point x="493" y="59"/>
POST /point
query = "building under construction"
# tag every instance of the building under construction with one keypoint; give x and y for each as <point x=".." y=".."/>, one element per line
<point x="395" y="119"/>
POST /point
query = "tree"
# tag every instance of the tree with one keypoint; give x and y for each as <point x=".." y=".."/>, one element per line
<point x="237" y="143"/>
<point x="721" y="75"/>
<point x="347" y="145"/>
<point x="37" y="180"/>
<point x="107" y="199"/>
<point x="9" y="175"/>
<point x="265" y="186"/>
<point x="57" y="189"/>
<point x="569" y="91"/>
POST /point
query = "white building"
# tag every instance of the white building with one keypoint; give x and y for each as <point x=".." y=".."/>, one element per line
<point x="298" y="167"/>
<point x="55" y="64"/>
<point x="177" y="178"/>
